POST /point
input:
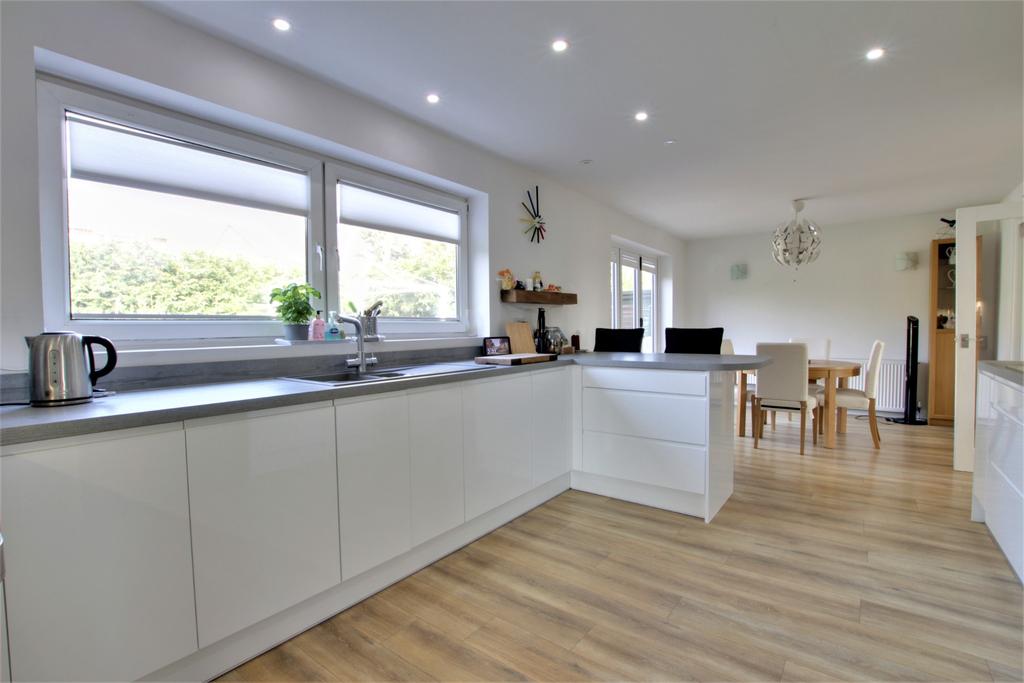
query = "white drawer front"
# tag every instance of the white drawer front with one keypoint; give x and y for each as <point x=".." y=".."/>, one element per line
<point x="652" y="416"/>
<point x="661" y="381"/>
<point x="658" y="463"/>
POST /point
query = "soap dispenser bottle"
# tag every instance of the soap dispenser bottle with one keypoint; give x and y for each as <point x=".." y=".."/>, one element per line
<point x="317" y="327"/>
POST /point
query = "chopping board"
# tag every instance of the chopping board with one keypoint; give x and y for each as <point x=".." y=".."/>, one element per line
<point x="520" y="338"/>
<point x="515" y="358"/>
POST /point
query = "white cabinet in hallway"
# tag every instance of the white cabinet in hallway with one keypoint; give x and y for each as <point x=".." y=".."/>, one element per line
<point x="373" y="481"/>
<point x="99" y="566"/>
<point x="435" y="441"/>
<point x="551" y="406"/>
<point x="497" y="440"/>
<point x="264" y="501"/>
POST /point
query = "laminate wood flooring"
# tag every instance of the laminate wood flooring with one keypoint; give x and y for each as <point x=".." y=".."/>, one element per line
<point x="849" y="564"/>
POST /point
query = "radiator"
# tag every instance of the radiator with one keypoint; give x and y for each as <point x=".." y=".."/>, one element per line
<point x="891" y="380"/>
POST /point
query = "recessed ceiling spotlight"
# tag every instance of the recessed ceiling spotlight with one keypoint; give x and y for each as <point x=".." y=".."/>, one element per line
<point x="433" y="98"/>
<point x="282" y="24"/>
<point x="670" y="141"/>
<point x="586" y="162"/>
<point x="640" y="116"/>
<point x="875" y="53"/>
<point x="560" y="45"/>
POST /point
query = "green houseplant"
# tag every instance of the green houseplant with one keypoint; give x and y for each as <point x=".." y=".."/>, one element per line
<point x="294" y="309"/>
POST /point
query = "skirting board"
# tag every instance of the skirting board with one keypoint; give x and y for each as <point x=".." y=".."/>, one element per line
<point x="644" y="494"/>
<point x="228" y="653"/>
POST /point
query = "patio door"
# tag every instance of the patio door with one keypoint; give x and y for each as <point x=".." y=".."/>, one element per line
<point x="634" y="287"/>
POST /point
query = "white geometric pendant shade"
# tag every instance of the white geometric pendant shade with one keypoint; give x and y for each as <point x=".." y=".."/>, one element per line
<point x="796" y="242"/>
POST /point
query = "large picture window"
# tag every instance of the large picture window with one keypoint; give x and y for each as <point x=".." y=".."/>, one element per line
<point x="160" y="228"/>
<point x="402" y="245"/>
<point x="157" y="226"/>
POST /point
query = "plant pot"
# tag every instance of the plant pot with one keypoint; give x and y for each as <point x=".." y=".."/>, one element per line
<point x="299" y="332"/>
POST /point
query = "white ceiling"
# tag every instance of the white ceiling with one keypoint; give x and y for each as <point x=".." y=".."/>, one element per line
<point x="768" y="101"/>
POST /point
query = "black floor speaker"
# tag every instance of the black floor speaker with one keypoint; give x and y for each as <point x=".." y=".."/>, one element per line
<point x="910" y="379"/>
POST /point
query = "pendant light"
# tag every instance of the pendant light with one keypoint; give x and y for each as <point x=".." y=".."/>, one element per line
<point x="796" y="242"/>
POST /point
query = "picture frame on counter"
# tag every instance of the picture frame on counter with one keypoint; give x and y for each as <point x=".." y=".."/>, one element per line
<point x="497" y="346"/>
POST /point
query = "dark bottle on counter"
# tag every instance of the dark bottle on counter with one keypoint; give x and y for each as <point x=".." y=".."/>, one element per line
<point x="539" y="336"/>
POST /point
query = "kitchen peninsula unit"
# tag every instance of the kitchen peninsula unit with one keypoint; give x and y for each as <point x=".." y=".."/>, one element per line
<point x="194" y="503"/>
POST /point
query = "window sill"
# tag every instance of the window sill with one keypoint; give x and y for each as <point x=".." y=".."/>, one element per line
<point x="148" y="352"/>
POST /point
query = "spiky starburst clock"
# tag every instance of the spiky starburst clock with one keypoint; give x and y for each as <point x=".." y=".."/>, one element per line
<point x="535" y="227"/>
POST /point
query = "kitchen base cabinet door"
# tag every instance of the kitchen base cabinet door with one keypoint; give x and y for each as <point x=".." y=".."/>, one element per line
<point x="435" y="440"/>
<point x="373" y="480"/>
<point x="497" y="414"/>
<point x="552" y="424"/>
<point x="264" y="498"/>
<point x="99" y="566"/>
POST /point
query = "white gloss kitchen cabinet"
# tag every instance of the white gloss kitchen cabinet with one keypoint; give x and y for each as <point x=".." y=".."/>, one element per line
<point x="264" y="501"/>
<point x="373" y="480"/>
<point x="497" y="440"/>
<point x="99" y="564"/>
<point x="435" y="438"/>
<point x="551" y="421"/>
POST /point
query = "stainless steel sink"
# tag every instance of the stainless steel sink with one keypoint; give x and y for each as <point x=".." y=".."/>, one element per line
<point x="341" y="378"/>
<point x="338" y="379"/>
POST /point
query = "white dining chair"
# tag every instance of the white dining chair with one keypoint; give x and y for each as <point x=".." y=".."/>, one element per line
<point x="857" y="399"/>
<point x="782" y="385"/>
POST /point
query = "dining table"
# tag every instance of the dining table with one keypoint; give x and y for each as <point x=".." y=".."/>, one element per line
<point x="836" y="374"/>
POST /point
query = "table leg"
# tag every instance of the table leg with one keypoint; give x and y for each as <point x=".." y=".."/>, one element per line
<point x="841" y="412"/>
<point x="829" y="410"/>
<point x="741" y="423"/>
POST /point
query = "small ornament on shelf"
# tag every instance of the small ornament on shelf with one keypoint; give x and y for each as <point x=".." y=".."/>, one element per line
<point x="507" y="279"/>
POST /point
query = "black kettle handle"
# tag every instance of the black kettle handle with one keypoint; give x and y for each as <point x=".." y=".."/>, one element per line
<point x="95" y="374"/>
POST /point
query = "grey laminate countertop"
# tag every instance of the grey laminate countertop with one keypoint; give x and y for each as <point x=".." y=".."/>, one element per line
<point x="1010" y="370"/>
<point x="23" y="424"/>
<point x="672" y="361"/>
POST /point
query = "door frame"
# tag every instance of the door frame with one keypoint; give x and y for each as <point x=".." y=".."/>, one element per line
<point x="967" y="220"/>
<point x="641" y="259"/>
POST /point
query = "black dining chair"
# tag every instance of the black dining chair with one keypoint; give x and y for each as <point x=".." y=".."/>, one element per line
<point x="694" y="339"/>
<point x="627" y="341"/>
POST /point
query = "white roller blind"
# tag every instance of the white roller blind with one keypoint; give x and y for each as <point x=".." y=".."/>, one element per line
<point x="376" y="210"/>
<point x="118" y="155"/>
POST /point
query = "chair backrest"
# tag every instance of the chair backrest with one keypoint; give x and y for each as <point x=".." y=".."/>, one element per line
<point x="874" y="363"/>
<point x="727" y="348"/>
<point x="694" y="339"/>
<point x="629" y="340"/>
<point x="813" y="348"/>
<point x="785" y="378"/>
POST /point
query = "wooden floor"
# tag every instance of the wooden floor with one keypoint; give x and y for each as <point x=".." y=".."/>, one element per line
<point x="849" y="564"/>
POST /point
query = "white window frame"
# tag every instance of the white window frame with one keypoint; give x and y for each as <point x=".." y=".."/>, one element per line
<point x="338" y="172"/>
<point x="647" y="263"/>
<point x="322" y="257"/>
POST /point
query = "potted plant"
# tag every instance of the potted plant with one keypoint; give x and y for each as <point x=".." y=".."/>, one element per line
<point x="294" y="309"/>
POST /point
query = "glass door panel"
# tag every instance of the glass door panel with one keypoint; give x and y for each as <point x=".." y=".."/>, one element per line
<point x="646" y="309"/>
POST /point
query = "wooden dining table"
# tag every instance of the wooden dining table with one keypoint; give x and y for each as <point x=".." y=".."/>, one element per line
<point x="836" y="373"/>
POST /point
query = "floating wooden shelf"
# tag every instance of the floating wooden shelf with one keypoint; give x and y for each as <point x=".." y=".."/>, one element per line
<point x="524" y="296"/>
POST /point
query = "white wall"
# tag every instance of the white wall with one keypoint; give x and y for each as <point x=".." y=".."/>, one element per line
<point x="150" y="55"/>
<point x="852" y="294"/>
<point x="1010" y="340"/>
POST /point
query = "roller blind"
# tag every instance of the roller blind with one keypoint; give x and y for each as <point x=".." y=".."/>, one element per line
<point x="112" y="153"/>
<point x="363" y="207"/>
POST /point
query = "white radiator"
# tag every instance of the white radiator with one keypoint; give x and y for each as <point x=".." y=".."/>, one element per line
<point x="891" y="380"/>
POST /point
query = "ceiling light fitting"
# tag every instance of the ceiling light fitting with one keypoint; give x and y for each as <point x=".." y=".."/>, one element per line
<point x="640" y="116"/>
<point x="433" y="98"/>
<point x="282" y="24"/>
<point x="560" y="45"/>
<point x="798" y="241"/>
<point x="875" y="53"/>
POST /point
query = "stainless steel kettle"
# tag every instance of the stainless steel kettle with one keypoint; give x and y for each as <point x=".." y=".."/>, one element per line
<point x="62" y="369"/>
